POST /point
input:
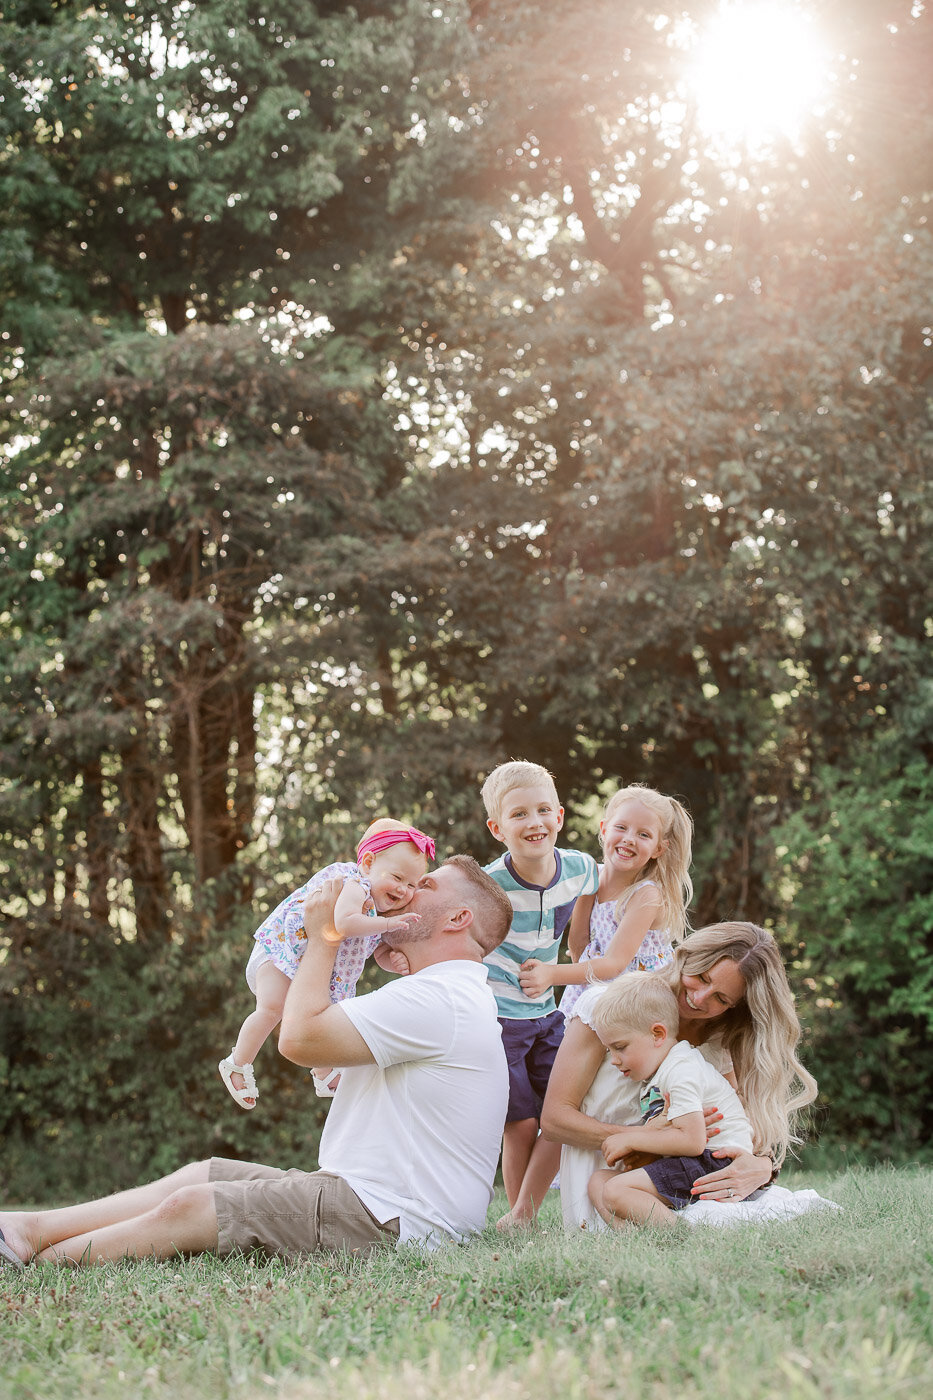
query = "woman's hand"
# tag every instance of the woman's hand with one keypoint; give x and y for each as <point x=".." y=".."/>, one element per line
<point x="535" y="977"/>
<point x="711" y="1115"/>
<point x="736" y="1179"/>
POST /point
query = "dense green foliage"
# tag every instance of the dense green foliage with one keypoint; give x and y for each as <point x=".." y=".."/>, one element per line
<point x="860" y="854"/>
<point x="390" y="389"/>
<point x="832" y="1305"/>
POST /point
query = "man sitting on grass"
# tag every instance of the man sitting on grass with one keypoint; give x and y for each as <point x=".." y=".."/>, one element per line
<point x="411" y="1143"/>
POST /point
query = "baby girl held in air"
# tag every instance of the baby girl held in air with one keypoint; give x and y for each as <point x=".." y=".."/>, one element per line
<point x="391" y="858"/>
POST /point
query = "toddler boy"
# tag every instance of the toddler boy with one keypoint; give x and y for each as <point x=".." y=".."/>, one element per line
<point x="542" y="883"/>
<point x="637" y="1018"/>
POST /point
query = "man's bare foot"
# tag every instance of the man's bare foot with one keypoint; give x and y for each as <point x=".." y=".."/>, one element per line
<point x="19" y="1233"/>
<point x="516" y="1219"/>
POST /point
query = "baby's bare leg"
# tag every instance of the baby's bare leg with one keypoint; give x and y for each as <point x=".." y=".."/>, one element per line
<point x="271" y="990"/>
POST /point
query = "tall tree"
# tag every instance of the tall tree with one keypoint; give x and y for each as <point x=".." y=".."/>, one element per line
<point x="197" y="439"/>
<point x="394" y="388"/>
<point x="688" y="458"/>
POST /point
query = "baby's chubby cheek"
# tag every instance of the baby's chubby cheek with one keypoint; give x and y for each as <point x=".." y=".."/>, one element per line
<point x="385" y="904"/>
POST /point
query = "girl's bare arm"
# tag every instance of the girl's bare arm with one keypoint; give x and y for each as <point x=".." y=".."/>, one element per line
<point x="535" y="977"/>
<point x="639" y="916"/>
<point x="351" y="922"/>
<point x="578" y="935"/>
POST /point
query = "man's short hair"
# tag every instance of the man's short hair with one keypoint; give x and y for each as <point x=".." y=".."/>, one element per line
<point x="489" y="903"/>
<point x="636" y="1001"/>
<point x="508" y="776"/>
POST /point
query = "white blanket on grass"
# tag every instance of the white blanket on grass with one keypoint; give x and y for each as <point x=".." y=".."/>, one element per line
<point x="777" y="1203"/>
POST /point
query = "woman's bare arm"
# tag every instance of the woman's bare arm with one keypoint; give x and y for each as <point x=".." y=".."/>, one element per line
<point x="578" y="1059"/>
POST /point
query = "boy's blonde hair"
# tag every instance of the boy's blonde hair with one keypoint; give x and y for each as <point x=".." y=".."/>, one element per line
<point x="671" y="869"/>
<point x="636" y="1001"/>
<point x="508" y="776"/>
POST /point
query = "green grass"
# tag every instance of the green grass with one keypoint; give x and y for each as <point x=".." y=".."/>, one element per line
<point x="828" y="1305"/>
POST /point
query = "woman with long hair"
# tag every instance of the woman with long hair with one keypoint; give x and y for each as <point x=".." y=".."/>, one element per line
<point x="736" y="1007"/>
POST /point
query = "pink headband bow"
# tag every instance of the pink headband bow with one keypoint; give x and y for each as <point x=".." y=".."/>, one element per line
<point x="382" y="840"/>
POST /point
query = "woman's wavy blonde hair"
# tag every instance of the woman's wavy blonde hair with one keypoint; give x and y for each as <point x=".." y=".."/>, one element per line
<point x="761" y="1032"/>
<point x="671" y="870"/>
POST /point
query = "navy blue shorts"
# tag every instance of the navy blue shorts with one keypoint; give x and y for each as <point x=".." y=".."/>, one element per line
<point x="672" y="1177"/>
<point x="530" y="1048"/>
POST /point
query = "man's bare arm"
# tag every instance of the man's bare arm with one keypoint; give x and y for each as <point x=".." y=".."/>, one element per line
<point x="313" y="1031"/>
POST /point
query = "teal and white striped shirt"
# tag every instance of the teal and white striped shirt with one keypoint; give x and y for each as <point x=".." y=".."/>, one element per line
<point x="540" y="915"/>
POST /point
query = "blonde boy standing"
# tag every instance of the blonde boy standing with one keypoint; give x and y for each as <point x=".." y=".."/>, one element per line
<point x="542" y="883"/>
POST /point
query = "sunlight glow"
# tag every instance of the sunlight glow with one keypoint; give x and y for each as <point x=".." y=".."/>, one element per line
<point x="756" y="71"/>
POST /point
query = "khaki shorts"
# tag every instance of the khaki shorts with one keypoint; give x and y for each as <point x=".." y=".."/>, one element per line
<point x="291" y="1212"/>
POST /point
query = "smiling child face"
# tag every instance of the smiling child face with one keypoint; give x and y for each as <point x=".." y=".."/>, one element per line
<point x="529" y="821"/>
<point x="393" y="876"/>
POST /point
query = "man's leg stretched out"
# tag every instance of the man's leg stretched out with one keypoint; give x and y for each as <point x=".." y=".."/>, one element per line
<point x="166" y="1217"/>
<point x="218" y="1205"/>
